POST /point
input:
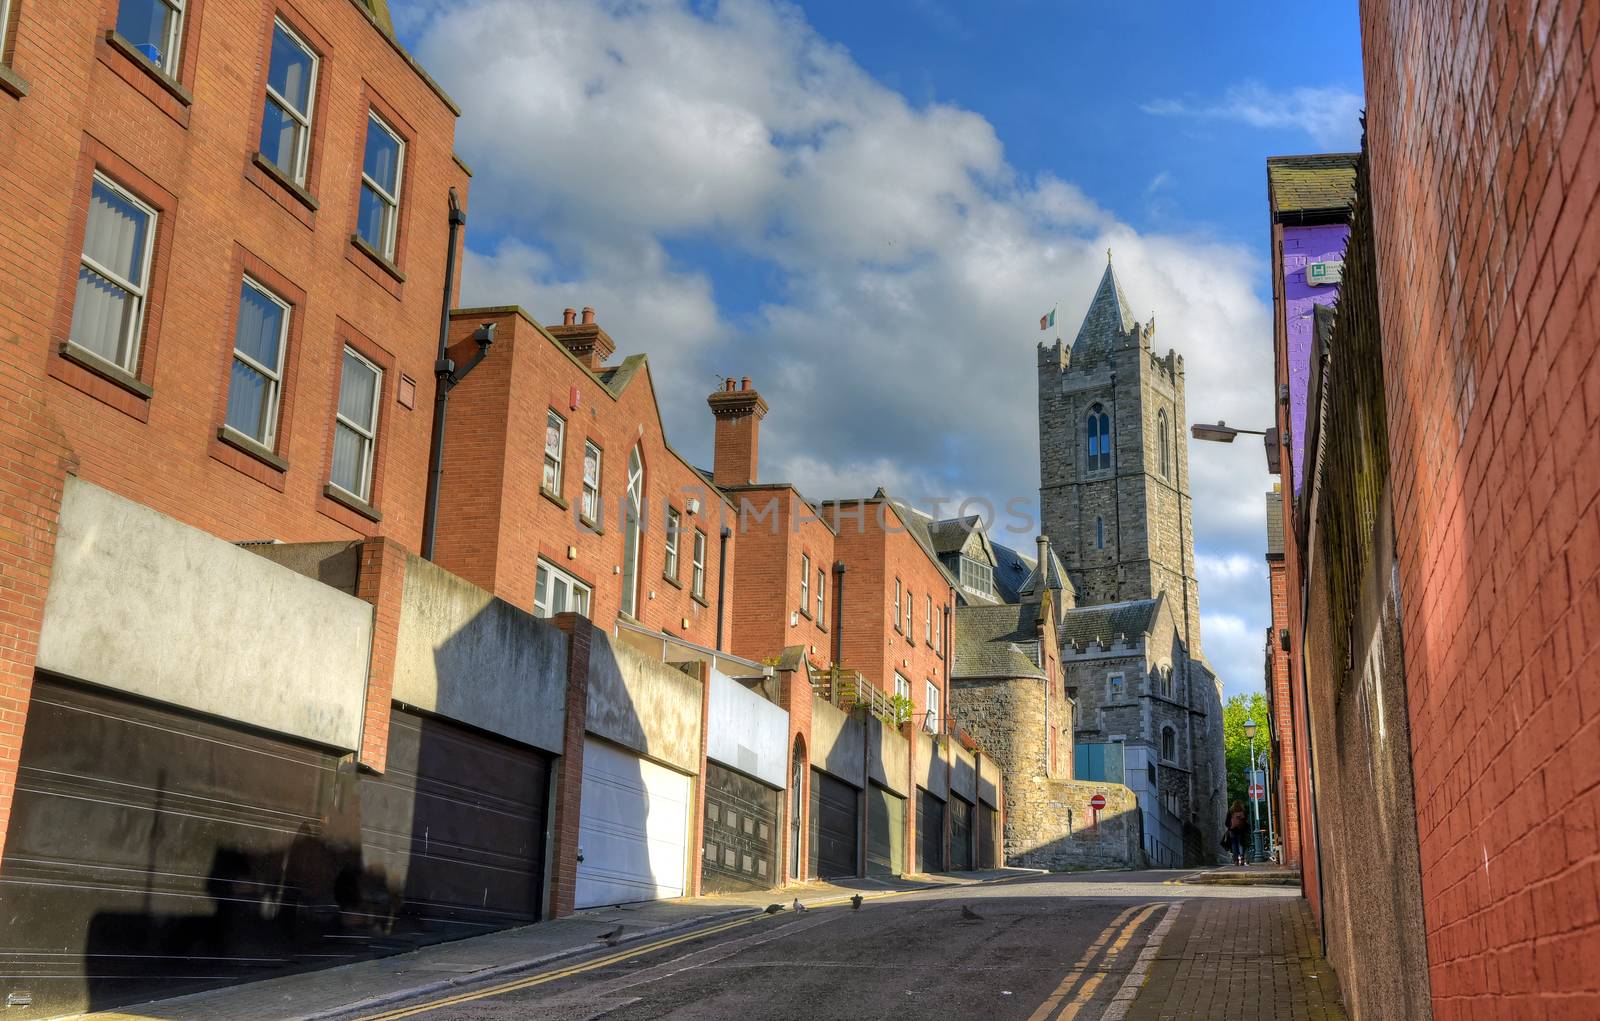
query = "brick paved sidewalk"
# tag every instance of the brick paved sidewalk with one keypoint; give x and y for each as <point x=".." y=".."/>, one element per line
<point x="1240" y="959"/>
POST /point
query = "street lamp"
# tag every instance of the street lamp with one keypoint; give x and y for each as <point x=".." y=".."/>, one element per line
<point x="1222" y="432"/>
<point x="1250" y="781"/>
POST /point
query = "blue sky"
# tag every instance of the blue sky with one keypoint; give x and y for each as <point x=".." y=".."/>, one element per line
<point x="866" y="207"/>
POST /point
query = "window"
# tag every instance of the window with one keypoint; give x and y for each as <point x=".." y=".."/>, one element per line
<point x="355" y="427"/>
<point x="377" y="219"/>
<point x="910" y="602"/>
<point x="1169" y="744"/>
<point x="699" y="586"/>
<point x="927" y="624"/>
<point x="154" y="27"/>
<point x="902" y="687"/>
<point x="555" y="591"/>
<point x="977" y="577"/>
<point x="671" y="568"/>
<point x="291" y="94"/>
<point x="1113" y="687"/>
<point x="931" y="720"/>
<point x="937" y="624"/>
<point x="805" y="584"/>
<point x="631" y="510"/>
<point x="1099" y="430"/>
<point x="1099" y="533"/>
<point x="591" y="482"/>
<point x="822" y="599"/>
<point x="5" y="21"/>
<point x="257" y="381"/>
<point x="555" y="444"/>
<point x="897" y="604"/>
<point x="1165" y="446"/>
<point x="113" y="275"/>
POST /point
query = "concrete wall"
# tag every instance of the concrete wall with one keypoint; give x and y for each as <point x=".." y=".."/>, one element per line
<point x="989" y="781"/>
<point x="964" y="774"/>
<point x="888" y="757"/>
<point x="746" y="732"/>
<point x="644" y="704"/>
<point x="465" y="655"/>
<point x="1049" y="825"/>
<point x="142" y="603"/>
<point x="930" y="767"/>
<point x="335" y="564"/>
<point x="838" y="742"/>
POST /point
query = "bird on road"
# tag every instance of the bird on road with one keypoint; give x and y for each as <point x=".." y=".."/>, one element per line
<point x="799" y="906"/>
<point x="855" y="902"/>
<point x="773" y="909"/>
<point x="969" y="915"/>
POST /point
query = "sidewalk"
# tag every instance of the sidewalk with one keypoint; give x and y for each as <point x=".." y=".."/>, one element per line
<point x="370" y="985"/>
<point x="1240" y="959"/>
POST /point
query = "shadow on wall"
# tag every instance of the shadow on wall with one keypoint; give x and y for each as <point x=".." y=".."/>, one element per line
<point x="1053" y="826"/>
<point x="153" y="851"/>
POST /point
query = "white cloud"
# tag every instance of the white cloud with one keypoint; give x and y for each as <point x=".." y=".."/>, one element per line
<point x="1331" y="116"/>
<point x="904" y="260"/>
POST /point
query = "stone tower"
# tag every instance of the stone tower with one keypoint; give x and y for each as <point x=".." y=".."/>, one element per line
<point x="1114" y="462"/>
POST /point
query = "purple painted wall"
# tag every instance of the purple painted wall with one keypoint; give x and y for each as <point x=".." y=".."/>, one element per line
<point x="1300" y="246"/>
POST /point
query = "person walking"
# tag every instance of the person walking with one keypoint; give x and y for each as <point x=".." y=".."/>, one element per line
<point x="1238" y="829"/>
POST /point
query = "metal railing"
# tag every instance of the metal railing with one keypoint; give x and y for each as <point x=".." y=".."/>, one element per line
<point x="848" y="689"/>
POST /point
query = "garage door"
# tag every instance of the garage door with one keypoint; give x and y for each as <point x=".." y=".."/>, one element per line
<point x="457" y="821"/>
<point x="833" y="827"/>
<point x="886" y="832"/>
<point x="930" y="832"/>
<point x="960" y="833"/>
<point x="988" y="837"/>
<point x="740" y="849"/>
<point x="633" y="828"/>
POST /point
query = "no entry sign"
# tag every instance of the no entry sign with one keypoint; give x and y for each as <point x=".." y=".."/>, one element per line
<point x="1257" y="792"/>
<point x="1097" y="802"/>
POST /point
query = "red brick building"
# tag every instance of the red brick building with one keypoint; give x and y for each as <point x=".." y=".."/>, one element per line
<point x="1286" y="764"/>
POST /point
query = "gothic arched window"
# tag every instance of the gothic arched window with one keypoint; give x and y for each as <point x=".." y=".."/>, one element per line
<point x="1099" y="533"/>
<point x="632" y="515"/>
<point x="1169" y="744"/>
<point x="1166" y="447"/>
<point x="1099" y="429"/>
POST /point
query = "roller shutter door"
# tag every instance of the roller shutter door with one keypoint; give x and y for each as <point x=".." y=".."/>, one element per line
<point x="886" y="832"/>
<point x="960" y="833"/>
<point x="988" y="837"/>
<point x="930" y="832"/>
<point x="833" y="827"/>
<point x="740" y="849"/>
<point x="633" y="828"/>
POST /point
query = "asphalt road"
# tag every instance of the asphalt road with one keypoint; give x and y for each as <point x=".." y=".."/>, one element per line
<point x="1055" y="946"/>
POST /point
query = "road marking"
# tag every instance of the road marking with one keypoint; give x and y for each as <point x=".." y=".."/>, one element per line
<point x="1048" y="1007"/>
<point x="1123" y="1000"/>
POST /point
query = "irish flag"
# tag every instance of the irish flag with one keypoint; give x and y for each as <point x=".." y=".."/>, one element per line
<point x="1048" y="320"/>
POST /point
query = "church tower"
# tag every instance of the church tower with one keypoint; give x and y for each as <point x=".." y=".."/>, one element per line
<point x="1114" y="462"/>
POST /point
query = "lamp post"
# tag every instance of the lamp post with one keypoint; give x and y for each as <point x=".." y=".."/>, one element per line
<point x="1222" y="432"/>
<point x="1249" y="782"/>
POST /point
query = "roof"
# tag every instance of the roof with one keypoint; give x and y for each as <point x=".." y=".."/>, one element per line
<point x="1324" y="183"/>
<point x="949" y="535"/>
<point x="1109" y="315"/>
<point x="997" y="641"/>
<point x="1055" y="576"/>
<point x="1011" y="572"/>
<point x="1103" y="623"/>
<point x="1275" y="523"/>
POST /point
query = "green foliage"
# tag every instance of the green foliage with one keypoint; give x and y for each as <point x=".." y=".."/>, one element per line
<point x="1237" y="747"/>
<point x="902" y="709"/>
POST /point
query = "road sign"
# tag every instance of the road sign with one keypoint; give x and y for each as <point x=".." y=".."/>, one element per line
<point x="1257" y="792"/>
<point x="1097" y="802"/>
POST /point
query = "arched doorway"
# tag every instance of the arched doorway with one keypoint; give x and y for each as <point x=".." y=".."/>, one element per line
<point x="797" y="802"/>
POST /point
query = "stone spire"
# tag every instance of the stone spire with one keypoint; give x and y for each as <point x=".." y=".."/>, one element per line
<point x="1109" y="315"/>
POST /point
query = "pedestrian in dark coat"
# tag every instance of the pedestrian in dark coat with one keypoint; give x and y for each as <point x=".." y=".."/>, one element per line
<point x="1238" y="829"/>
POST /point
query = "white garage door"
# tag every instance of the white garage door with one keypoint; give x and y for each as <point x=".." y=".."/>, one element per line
<point x="633" y="828"/>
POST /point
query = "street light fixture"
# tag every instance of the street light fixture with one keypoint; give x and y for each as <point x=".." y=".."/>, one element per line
<point x="1222" y="432"/>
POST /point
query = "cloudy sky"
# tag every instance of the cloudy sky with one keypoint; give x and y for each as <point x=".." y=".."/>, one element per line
<point x="866" y="207"/>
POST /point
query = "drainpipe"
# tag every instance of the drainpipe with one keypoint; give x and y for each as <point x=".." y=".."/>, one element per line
<point x="446" y="377"/>
<point x="722" y="579"/>
<point x="838" y="611"/>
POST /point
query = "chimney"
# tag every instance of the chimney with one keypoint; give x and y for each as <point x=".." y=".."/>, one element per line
<point x="588" y="343"/>
<point x="738" y="409"/>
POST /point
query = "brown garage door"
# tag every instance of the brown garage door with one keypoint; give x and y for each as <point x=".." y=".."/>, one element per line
<point x="886" y="832"/>
<point x="740" y="848"/>
<point x="833" y="827"/>
<point x="930" y="832"/>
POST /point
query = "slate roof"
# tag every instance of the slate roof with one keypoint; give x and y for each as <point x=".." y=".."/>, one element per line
<point x="1322" y="183"/>
<point x="997" y="641"/>
<point x="1103" y="623"/>
<point x="1011" y="572"/>
<point x="1109" y="314"/>
<point x="949" y="535"/>
<point x="1275" y="523"/>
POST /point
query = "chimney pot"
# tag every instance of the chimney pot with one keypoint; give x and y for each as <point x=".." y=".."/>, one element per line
<point x="588" y="315"/>
<point x="569" y="316"/>
<point x="744" y="384"/>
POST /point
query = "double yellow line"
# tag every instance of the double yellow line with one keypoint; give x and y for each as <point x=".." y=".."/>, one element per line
<point x="1085" y="992"/>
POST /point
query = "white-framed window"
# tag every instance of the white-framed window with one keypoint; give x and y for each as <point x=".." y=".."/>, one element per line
<point x="632" y="508"/>
<point x="1114" y="688"/>
<point x="378" y="218"/>
<point x="291" y="100"/>
<point x="555" y="591"/>
<point x="108" y="311"/>
<point x="927" y="624"/>
<point x="255" y="388"/>
<point x="670" y="542"/>
<point x="805" y="583"/>
<point x="5" y="22"/>
<point x="591" y="482"/>
<point x="910" y="602"/>
<point x="902" y="687"/>
<point x="154" y="27"/>
<point x="977" y="577"/>
<point x="699" y="582"/>
<point x="822" y="597"/>
<point x="933" y="717"/>
<point x="897" y="604"/>
<point x="938" y="625"/>
<point x="555" y="445"/>
<point x="355" y="427"/>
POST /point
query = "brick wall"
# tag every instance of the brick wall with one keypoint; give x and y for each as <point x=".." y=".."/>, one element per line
<point x="776" y="529"/>
<point x="1485" y="170"/>
<point x="1286" y="775"/>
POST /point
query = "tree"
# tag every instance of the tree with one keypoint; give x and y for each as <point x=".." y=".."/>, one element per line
<point x="1236" y="746"/>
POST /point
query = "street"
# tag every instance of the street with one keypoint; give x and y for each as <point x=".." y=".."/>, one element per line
<point x="1060" y="946"/>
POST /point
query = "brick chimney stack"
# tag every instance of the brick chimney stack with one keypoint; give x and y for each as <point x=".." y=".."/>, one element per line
<point x="586" y="340"/>
<point x="738" y="409"/>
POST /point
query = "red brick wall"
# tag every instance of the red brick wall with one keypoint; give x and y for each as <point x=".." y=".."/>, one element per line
<point x="1286" y="778"/>
<point x="776" y="529"/>
<point x="494" y="520"/>
<point x="1485" y="154"/>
